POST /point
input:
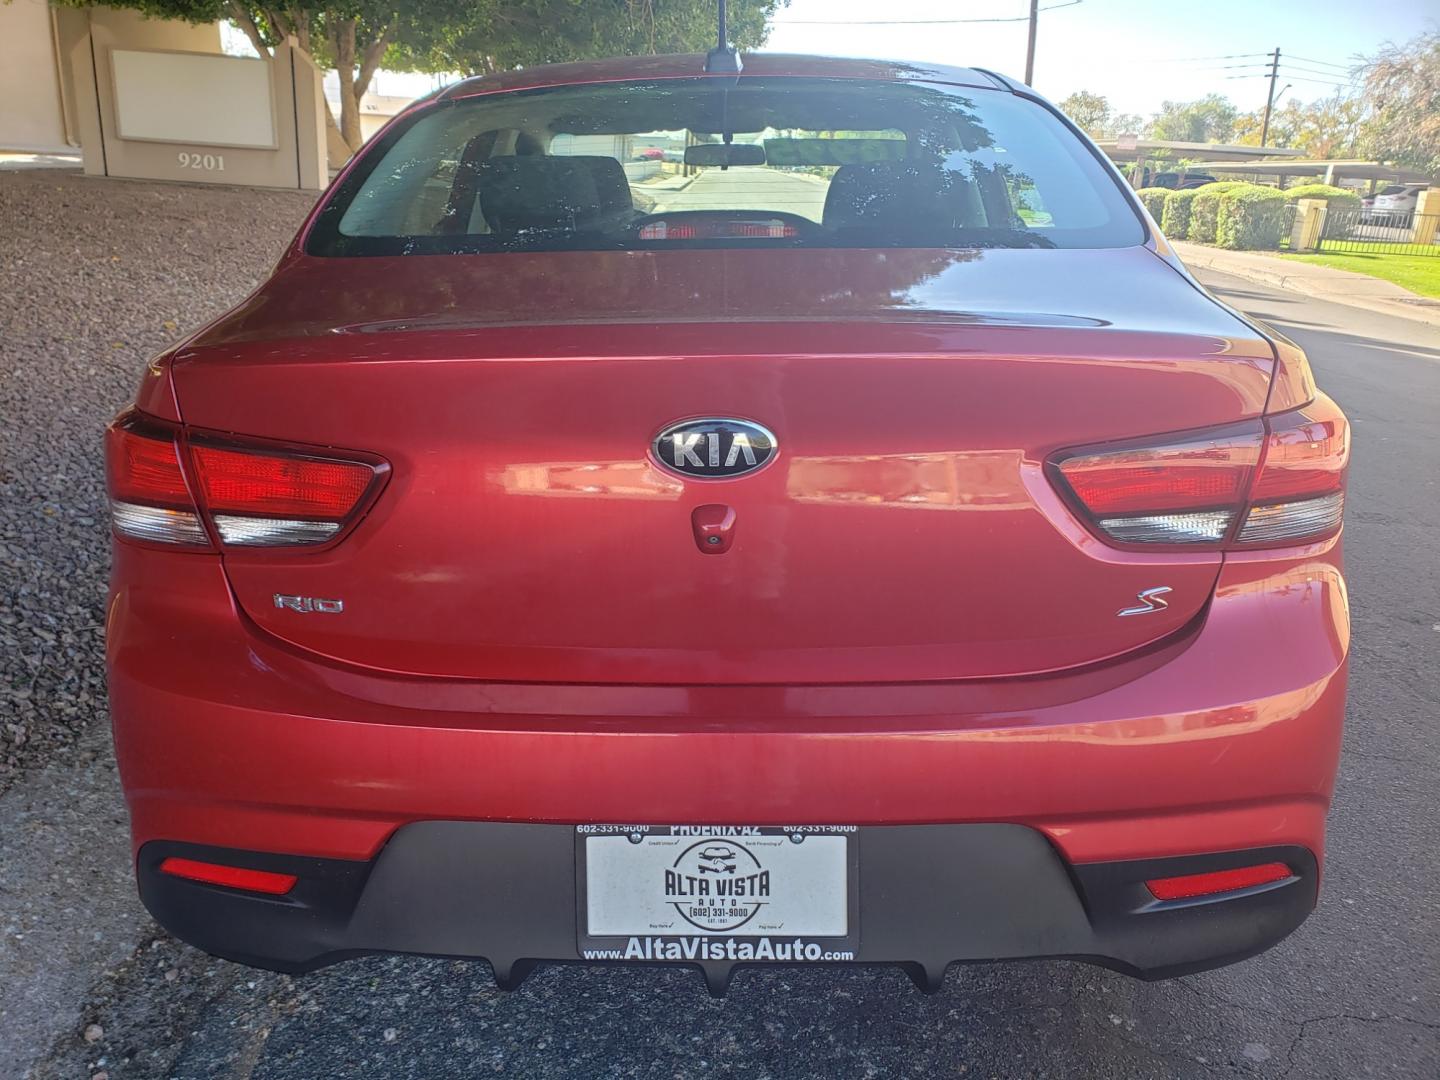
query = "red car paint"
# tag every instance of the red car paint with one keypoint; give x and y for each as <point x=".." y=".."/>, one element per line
<point x="908" y="622"/>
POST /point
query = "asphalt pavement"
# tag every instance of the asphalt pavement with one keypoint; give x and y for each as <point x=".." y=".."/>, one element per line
<point x="748" y="187"/>
<point x="89" y="986"/>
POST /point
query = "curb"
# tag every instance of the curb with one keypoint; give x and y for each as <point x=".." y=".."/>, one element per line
<point x="1420" y="309"/>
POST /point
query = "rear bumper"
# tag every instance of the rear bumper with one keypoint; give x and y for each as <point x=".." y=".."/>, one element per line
<point x="929" y="896"/>
<point x="1224" y="741"/>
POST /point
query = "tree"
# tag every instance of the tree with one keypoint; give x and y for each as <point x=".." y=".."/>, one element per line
<point x="503" y="35"/>
<point x="1091" y="112"/>
<point x="1210" y="119"/>
<point x="1127" y="124"/>
<point x="356" y="36"/>
<point x="1402" y="91"/>
<point x="1328" y="128"/>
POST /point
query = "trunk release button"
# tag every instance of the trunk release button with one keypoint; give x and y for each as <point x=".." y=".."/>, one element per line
<point x="714" y="528"/>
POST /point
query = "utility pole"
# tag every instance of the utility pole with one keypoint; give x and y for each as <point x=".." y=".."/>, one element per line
<point x="1270" y="101"/>
<point x="1030" y="49"/>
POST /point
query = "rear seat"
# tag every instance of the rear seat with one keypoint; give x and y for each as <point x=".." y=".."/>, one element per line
<point x="554" y="194"/>
<point x="900" y="199"/>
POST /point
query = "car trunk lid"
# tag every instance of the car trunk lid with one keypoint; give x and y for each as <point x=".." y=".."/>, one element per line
<point x="904" y="530"/>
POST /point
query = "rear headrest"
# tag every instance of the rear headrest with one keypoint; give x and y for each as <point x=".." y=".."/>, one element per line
<point x="565" y="193"/>
<point x="900" y="198"/>
<point x="611" y="184"/>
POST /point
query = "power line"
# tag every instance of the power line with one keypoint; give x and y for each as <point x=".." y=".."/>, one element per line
<point x="1321" y="82"/>
<point x="1317" y="71"/>
<point x="1325" y="63"/>
<point x="916" y="22"/>
<point x="1187" y="59"/>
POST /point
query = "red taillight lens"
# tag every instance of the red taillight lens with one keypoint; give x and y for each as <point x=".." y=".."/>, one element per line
<point x="1187" y="491"/>
<point x="241" y="482"/>
<point x="1218" y="881"/>
<point x="232" y="877"/>
<point x="1300" y="492"/>
<point x="1203" y="488"/>
<point x="255" y="495"/>
<point x="263" y="497"/>
<point x="149" y="499"/>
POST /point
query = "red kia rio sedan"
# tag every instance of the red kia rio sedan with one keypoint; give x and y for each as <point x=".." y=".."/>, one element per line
<point x="849" y="535"/>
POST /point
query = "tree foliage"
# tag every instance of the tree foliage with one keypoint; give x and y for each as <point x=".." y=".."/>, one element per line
<point x="1210" y="119"/>
<point x="1402" y="91"/>
<point x="1328" y="128"/>
<point x="498" y="36"/>
<point x="1090" y="111"/>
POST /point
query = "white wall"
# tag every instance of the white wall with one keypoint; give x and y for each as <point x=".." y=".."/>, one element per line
<point x="31" y="117"/>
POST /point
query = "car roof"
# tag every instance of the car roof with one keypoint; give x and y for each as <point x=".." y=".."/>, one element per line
<point x="683" y="65"/>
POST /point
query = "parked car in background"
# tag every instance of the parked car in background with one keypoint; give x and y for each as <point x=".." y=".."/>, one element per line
<point x="1392" y="201"/>
<point x="1181" y="180"/>
<point x="891" y="518"/>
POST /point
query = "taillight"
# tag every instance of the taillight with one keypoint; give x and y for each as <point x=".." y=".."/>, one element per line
<point x="266" y="499"/>
<point x="149" y="499"/>
<point x="163" y="486"/>
<point x="1276" y="480"/>
<point x="1300" y="492"/>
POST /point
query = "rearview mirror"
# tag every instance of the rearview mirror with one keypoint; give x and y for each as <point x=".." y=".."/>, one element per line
<point x="723" y="154"/>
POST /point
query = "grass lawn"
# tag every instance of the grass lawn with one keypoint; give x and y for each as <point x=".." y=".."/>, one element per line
<point x="1418" y="273"/>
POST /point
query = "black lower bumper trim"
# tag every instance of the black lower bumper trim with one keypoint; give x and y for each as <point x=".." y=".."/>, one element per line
<point x="929" y="896"/>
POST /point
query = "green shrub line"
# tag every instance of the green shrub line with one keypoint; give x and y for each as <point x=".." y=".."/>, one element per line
<point x="1234" y="214"/>
<point x="1175" y="221"/>
<point x="1204" y="208"/>
<point x="1153" y="199"/>
<point x="1250" y="218"/>
<point x="1334" y="196"/>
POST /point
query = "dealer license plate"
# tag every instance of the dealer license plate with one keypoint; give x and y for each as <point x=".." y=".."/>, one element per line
<point x="668" y="883"/>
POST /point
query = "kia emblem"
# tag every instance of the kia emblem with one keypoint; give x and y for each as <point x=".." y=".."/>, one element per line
<point x="714" y="448"/>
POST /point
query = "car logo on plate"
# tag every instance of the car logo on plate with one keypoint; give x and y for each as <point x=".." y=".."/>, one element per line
<point x="714" y="448"/>
<point x="717" y="885"/>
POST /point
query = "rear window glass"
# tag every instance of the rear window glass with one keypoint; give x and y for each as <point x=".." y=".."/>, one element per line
<point x="718" y="163"/>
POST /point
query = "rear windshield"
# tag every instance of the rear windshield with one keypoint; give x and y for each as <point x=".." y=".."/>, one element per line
<point x="709" y="162"/>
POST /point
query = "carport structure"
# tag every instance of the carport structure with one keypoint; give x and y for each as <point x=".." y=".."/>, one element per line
<point x="1329" y="170"/>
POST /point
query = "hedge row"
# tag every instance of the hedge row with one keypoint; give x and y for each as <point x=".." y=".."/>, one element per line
<point x="1154" y="200"/>
<point x="1337" y="197"/>
<point x="1230" y="214"/>
<point x="1175" y="221"/>
<point x="1204" y="208"/>
<point x="1251" y="218"/>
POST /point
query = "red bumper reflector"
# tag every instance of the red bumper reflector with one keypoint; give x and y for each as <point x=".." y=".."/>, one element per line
<point x="232" y="877"/>
<point x="1218" y="881"/>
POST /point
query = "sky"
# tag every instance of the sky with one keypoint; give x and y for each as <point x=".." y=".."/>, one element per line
<point x="1137" y="53"/>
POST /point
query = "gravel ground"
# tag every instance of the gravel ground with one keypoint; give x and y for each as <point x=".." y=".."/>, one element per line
<point x="96" y="276"/>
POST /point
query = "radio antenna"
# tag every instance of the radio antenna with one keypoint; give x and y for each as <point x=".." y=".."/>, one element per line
<point x="724" y="59"/>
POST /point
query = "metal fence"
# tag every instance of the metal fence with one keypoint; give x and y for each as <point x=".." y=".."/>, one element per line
<point x="1381" y="232"/>
<point x="1288" y="214"/>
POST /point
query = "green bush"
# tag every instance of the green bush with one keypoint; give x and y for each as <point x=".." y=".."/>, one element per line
<point x="1175" y="221"/>
<point x="1154" y="200"/>
<point x="1251" y="218"/>
<point x="1337" y="197"/>
<point x="1203" y="208"/>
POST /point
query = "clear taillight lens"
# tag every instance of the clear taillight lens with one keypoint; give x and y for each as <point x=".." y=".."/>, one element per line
<point x="1276" y="480"/>
<point x="149" y="498"/>
<point x="255" y="495"/>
